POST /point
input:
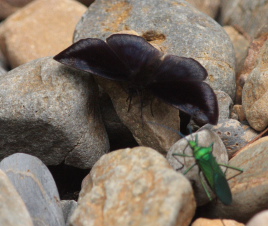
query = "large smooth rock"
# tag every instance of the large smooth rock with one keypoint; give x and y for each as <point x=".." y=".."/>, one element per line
<point x="255" y="90"/>
<point x="176" y="26"/>
<point x="50" y="111"/>
<point x="181" y="164"/>
<point x="134" y="187"/>
<point x="160" y="22"/>
<point x="12" y="208"/>
<point x="36" y="186"/>
<point x="42" y="28"/>
<point x="250" y="188"/>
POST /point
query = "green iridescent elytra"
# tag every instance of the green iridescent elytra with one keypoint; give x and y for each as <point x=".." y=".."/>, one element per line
<point x="211" y="170"/>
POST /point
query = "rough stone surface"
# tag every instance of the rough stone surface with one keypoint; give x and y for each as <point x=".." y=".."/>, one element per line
<point x="36" y="186"/>
<point x="241" y="45"/>
<point x="12" y="209"/>
<point x="176" y="26"/>
<point x="145" y="133"/>
<point x="225" y="104"/>
<point x="210" y="7"/>
<point x="234" y="134"/>
<point x="215" y="222"/>
<point x="68" y="207"/>
<point x="42" y="28"/>
<point x="259" y="219"/>
<point x="10" y="6"/>
<point x="250" y="63"/>
<point x="50" y="111"/>
<point x="181" y="164"/>
<point x="255" y="95"/>
<point x="238" y="113"/>
<point x="134" y="187"/>
<point x="250" y="188"/>
<point x="119" y="135"/>
<point x="2" y="71"/>
<point x="249" y="16"/>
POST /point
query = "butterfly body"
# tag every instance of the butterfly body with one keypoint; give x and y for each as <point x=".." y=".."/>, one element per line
<point x="131" y="60"/>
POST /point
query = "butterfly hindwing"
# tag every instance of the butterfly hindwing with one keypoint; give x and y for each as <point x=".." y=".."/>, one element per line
<point x="193" y="97"/>
<point x="175" y="68"/>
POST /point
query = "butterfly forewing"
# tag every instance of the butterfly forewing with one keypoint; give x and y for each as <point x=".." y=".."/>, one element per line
<point x="193" y="97"/>
<point x="137" y="54"/>
<point x="95" y="56"/>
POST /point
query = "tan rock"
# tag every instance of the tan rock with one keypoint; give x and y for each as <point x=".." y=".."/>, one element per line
<point x="134" y="187"/>
<point x="250" y="188"/>
<point x="10" y="6"/>
<point x="210" y="7"/>
<point x="247" y="15"/>
<point x="241" y="45"/>
<point x="42" y="28"/>
<point x="255" y="90"/>
<point x="215" y="222"/>
<point x="12" y="209"/>
<point x="249" y="64"/>
<point x="239" y="112"/>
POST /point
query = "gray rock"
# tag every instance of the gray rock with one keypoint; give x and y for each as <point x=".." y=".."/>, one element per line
<point x="68" y="207"/>
<point x="181" y="164"/>
<point x="234" y="134"/>
<point x="250" y="188"/>
<point x="176" y="26"/>
<point x="249" y="16"/>
<point x="12" y="209"/>
<point x="134" y="187"/>
<point x="50" y="111"/>
<point x="36" y="186"/>
<point x="225" y="104"/>
<point x="2" y="71"/>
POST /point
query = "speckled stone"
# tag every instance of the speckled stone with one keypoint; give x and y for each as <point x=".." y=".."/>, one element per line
<point x="234" y="134"/>
<point x="181" y="164"/>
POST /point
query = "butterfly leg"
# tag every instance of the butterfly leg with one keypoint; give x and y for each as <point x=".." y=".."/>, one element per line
<point x="151" y="107"/>
<point x="129" y="99"/>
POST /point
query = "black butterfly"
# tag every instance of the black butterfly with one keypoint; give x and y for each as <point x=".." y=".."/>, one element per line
<point x="131" y="59"/>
